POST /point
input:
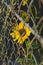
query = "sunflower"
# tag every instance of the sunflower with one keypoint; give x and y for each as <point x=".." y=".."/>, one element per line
<point x="24" y="2"/>
<point x="25" y="16"/>
<point x="20" y="33"/>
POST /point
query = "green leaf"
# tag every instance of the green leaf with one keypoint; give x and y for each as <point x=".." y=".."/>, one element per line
<point x="27" y="45"/>
<point x="35" y="45"/>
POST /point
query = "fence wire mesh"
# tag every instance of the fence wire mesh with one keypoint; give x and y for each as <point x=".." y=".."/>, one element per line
<point x="12" y="12"/>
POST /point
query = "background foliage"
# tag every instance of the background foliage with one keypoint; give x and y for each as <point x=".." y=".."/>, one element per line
<point x="31" y="13"/>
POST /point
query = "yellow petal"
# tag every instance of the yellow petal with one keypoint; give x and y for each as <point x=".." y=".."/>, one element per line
<point x="17" y="35"/>
<point x="20" y="41"/>
<point x="17" y="27"/>
<point x="24" y="38"/>
<point x="24" y="2"/>
<point x="28" y="31"/>
<point x="12" y="34"/>
<point x="14" y="40"/>
<point x="21" y="25"/>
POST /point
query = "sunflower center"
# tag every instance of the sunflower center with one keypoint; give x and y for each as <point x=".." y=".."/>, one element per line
<point x="22" y="32"/>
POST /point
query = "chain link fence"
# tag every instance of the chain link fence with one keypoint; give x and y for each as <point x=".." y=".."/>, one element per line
<point x="13" y="12"/>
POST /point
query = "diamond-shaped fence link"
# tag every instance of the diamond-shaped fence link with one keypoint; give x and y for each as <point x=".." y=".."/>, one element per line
<point x="12" y="12"/>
